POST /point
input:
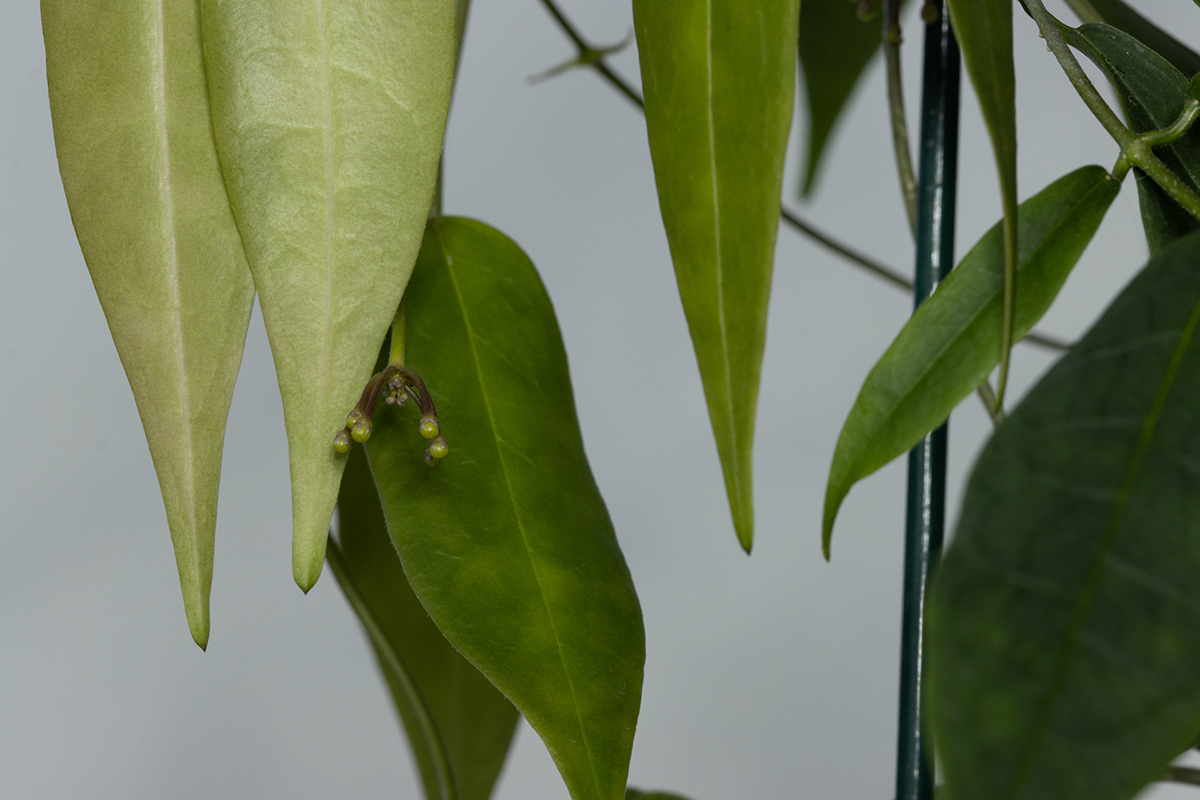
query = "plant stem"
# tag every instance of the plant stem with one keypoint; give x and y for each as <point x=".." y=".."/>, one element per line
<point x="585" y="48"/>
<point x="892" y="39"/>
<point x="1048" y="27"/>
<point x="816" y="234"/>
<point x="1083" y="9"/>
<point x="1182" y="775"/>
<point x="396" y="352"/>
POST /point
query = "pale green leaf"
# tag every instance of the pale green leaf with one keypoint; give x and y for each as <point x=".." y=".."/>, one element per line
<point x="329" y="121"/>
<point x="135" y="148"/>
<point x="719" y="78"/>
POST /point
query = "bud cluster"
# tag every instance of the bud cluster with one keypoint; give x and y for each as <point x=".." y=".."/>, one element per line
<point x="395" y="384"/>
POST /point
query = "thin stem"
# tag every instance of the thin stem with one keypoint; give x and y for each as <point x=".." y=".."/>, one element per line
<point x="887" y="273"/>
<point x="892" y="39"/>
<point x="396" y="352"/>
<point x="1174" y="131"/>
<point x="988" y="398"/>
<point x="393" y="664"/>
<point x="1048" y="27"/>
<point x="585" y="49"/>
<point x="1182" y="775"/>
<point x="1141" y="156"/>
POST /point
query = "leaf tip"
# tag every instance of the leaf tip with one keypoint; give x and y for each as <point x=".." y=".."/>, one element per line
<point x="306" y="571"/>
<point x="198" y="624"/>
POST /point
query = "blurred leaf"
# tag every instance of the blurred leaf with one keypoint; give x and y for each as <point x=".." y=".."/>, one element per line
<point x="508" y="543"/>
<point x="835" y="48"/>
<point x="634" y="794"/>
<point x="458" y="725"/>
<point x="1121" y="16"/>
<point x="984" y="31"/>
<point x="329" y="122"/>
<point x="1063" y="635"/>
<point x="719" y="78"/>
<point x="135" y="148"/>
<point x="952" y="341"/>
<point x="1152" y="94"/>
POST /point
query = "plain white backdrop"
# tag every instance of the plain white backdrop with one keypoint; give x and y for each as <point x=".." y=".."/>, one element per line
<point x="769" y="676"/>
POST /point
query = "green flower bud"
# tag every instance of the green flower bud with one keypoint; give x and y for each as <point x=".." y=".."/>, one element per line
<point x="352" y="418"/>
<point x="438" y="448"/>
<point x="341" y="442"/>
<point x="361" y="430"/>
<point x="429" y="427"/>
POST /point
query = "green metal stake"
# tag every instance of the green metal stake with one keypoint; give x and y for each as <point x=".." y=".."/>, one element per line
<point x="925" y="517"/>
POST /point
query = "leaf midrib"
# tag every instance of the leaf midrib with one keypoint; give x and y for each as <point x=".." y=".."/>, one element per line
<point x="449" y="262"/>
<point x="168" y="204"/>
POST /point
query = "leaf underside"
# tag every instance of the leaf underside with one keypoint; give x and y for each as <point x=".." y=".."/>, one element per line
<point x="718" y="75"/>
<point x="329" y="121"/>
<point x="507" y="543"/>
<point x="1063" y="635"/>
<point x="138" y="163"/>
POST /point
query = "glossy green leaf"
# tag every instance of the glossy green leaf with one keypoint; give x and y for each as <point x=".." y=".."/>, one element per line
<point x="1063" y="635"/>
<point x="984" y="31"/>
<point x="507" y="543"/>
<point x="329" y="121"/>
<point x="458" y="725"/>
<point x="1121" y="16"/>
<point x="634" y="794"/>
<point x="719" y="78"/>
<point x="1152" y="94"/>
<point x="835" y="48"/>
<point x="952" y="341"/>
<point x="135" y="148"/>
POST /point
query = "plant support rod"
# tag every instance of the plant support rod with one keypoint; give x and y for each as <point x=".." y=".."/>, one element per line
<point x="925" y="516"/>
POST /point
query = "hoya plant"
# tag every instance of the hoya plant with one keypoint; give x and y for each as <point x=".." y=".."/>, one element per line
<point x="219" y="153"/>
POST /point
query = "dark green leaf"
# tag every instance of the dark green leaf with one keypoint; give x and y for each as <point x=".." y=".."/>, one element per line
<point x="984" y="30"/>
<point x="1121" y="16"/>
<point x="329" y="121"/>
<point x="458" y="724"/>
<point x="719" y="77"/>
<point x="634" y="794"/>
<point x="508" y="543"/>
<point x="835" y="48"/>
<point x="1152" y="94"/>
<point x="1063" y="621"/>
<point x="138" y="163"/>
<point x="952" y="341"/>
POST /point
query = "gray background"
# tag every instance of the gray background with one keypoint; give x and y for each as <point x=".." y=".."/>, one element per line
<point x="770" y="676"/>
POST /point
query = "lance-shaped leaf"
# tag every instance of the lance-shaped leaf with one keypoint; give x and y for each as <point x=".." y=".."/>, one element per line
<point x="984" y="31"/>
<point x="458" y="725"/>
<point x="135" y="148"/>
<point x="952" y="341"/>
<point x="1121" y="16"/>
<point x="1063" y="620"/>
<point x="329" y="120"/>
<point x="1152" y="94"/>
<point x="719" y="78"/>
<point x="835" y="47"/>
<point x="507" y="543"/>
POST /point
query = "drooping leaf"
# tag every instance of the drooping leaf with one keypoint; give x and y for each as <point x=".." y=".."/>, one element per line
<point x="1121" y="16"/>
<point x="835" y="48"/>
<point x="719" y="78"/>
<point x="1152" y="94"/>
<point x="634" y="794"/>
<point x="507" y="543"/>
<point x="984" y="31"/>
<point x="1063" y="635"/>
<point x="329" y="121"/>
<point x="952" y="341"/>
<point x="135" y="148"/>
<point x="458" y="725"/>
